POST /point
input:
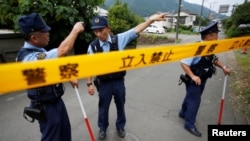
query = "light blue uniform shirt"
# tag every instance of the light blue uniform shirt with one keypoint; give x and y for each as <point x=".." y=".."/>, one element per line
<point x="191" y="61"/>
<point x="123" y="39"/>
<point x="33" y="56"/>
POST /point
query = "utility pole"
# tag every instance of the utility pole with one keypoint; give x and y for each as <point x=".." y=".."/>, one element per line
<point x="210" y="15"/>
<point x="234" y="6"/>
<point x="201" y="15"/>
<point x="178" y="21"/>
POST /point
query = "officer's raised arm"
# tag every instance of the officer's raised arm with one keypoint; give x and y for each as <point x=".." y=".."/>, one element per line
<point x="68" y="42"/>
<point x="157" y="17"/>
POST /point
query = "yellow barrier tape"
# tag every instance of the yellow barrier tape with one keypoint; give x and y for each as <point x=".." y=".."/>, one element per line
<point x="20" y="76"/>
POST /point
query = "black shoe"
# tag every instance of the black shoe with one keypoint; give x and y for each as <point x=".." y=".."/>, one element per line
<point x="102" y="134"/>
<point x="194" y="131"/>
<point x="121" y="132"/>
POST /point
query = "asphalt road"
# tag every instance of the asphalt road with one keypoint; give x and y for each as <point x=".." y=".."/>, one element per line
<point x="153" y="100"/>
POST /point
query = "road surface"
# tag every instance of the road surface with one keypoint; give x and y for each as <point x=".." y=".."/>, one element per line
<point x="153" y="101"/>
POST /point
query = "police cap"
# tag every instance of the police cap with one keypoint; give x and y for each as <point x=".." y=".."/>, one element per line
<point x="211" y="28"/>
<point x="99" y="22"/>
<point x="32" y="23"/>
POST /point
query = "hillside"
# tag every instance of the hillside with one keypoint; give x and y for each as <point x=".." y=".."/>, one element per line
<point x="145" y="8"/>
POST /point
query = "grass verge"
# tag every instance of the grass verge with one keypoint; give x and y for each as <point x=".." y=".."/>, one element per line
<point x="241" y="83"/>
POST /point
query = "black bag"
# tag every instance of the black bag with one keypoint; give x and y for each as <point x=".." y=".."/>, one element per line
<point x="59" y="89"/>
<point x="211" y="71"/>
<point x="184" y="78"/>
<point x="34" y="113"/>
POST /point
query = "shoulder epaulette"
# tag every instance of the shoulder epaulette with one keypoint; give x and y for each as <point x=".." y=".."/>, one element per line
<point x="25" y="51"/>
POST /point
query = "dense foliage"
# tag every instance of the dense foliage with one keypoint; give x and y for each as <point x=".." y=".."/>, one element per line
<point x="122" y="19"/>
<point x="59" y="15"/>
<point x="239" y="23"/>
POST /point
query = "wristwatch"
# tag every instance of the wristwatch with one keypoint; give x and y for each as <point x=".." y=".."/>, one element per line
<point x="88" y="84"/>
<point x="224" y="67"/>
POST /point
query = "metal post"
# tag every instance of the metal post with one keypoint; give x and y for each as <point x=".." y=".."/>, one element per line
<point x="210" y="10"/>
<point x="84" y="115"/>
<point x="201" y="15"/>
<point x="222" y="100"/>
<point x="210" y="17"/>
<point x="178" y="21"/>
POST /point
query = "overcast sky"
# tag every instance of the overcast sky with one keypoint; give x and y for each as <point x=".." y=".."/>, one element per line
<point x="215" y="4"/>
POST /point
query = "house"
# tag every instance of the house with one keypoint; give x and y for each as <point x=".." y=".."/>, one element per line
<point x="186" y="18"/>
<point x="165" y="24"/>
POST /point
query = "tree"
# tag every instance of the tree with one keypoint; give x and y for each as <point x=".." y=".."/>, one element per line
<point x="240" y="16"/>
<point x="60" y="15"/>
<point x="203" y="21"/>
<point x="122" y="19"/>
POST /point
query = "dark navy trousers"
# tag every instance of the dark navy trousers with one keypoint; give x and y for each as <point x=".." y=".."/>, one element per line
<point x="57" y="125"/>
<point x="191" y="103"/>
<point x="107" y="90"/>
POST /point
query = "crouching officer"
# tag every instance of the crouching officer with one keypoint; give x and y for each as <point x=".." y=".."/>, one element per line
<point x="198" y="70"/>
<point x="46" y="105"/>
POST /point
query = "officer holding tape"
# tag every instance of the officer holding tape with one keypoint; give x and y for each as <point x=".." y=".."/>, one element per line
<point x="46" y="105"/>
<point x="110" y="85"/>
<point x="198" y="70"/>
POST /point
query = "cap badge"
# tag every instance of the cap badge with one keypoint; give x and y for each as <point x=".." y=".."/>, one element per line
<point x="97" y="20"/>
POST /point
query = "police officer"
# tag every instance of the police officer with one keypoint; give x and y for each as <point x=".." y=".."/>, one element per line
<point x="54" y="124"/>
<point x="199" y="69"/>
<point x="113" y="84"/>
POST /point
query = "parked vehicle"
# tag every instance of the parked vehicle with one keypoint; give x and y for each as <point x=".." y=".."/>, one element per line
<point x="154" y="29"/>
<point x="196" y="29"/>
